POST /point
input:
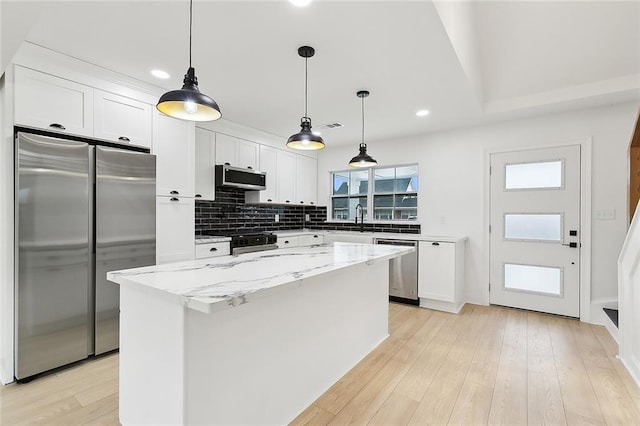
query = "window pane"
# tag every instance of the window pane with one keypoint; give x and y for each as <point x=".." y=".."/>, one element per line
<point x="340" y="208"/>
<point x="406" y="179"/>
<point x="534" y="279"/>
<point x="383" y="207"/>
<point x="541" y="227"/>
<point x="533" y="175"/>
<point x="384" y="180"/>
<point x="341" y="183"/>
<point x="359" y="182"/>
<point x="406" y="207"/>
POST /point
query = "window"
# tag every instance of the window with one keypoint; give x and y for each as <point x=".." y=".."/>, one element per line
<point x="393" y="195"/>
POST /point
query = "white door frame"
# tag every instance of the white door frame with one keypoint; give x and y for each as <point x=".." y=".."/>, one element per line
<point x="585" y="218"/>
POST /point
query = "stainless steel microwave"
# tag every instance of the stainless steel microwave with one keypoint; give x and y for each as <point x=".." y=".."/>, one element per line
<point x="237" y="177"/>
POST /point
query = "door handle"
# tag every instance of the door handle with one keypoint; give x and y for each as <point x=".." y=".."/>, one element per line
<point x="572" y="245"/>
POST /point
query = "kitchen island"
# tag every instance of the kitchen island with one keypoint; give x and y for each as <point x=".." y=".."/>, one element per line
<point x="249" y="339"/>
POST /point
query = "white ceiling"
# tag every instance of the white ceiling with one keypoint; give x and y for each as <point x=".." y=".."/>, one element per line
<point x="481" y="62"/>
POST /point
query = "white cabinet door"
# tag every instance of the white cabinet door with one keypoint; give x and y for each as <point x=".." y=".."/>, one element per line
<point x="121" y="119"/>
<point x="437" y="271"/>
<point x="173" y="144"/>
<point x="269" y="165"/>
<point x="306" y="186"/>
<point x="248" y="155"/>
<point x="48" y="102"/>
<point x="175" y="229"/>
<point x="204" y="164"/>
<point x="286" y="181"/>
<point x="237" y="152"/>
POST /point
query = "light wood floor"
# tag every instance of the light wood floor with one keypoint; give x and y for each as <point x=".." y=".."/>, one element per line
<point x="488" y="365"/>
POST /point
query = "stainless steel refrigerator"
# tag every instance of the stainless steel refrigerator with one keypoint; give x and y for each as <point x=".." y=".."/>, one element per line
<point x="81" y="210"/>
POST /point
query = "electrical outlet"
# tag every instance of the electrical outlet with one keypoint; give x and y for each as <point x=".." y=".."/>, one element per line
<point x="277" y="218"/>
<point x="307" y="217"/>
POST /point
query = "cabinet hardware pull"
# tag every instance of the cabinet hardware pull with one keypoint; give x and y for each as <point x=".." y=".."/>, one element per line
<point x="435" y="244"/>
<point x="124" y="139"/>
<point x="301" y="202"/>
<point x="315" y="236"/>
<point x="174" y="193"/>
<point x="311" y="202"/>
<point x="198" y="196"/>
<point x="57" y="126"/>
<point x="213" y="249"/>
<point x="227" y="164"/>
<point x="174" y="199"/>
<point x="249" y="167"/>
<point x="286" y="242"/>
<point x="286" y="201"/>
<point x="269" y="199"/>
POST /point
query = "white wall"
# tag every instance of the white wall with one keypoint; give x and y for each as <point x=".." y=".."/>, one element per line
<point x="452" y="176"/>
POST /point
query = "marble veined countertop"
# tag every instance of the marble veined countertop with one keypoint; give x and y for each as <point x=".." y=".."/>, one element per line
<point x="214" y="284"/>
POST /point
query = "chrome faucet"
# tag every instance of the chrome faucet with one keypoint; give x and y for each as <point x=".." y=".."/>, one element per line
<point x="361" y="217"/>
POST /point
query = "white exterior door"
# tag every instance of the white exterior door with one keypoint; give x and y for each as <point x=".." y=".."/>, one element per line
<point x="535" y="230"/>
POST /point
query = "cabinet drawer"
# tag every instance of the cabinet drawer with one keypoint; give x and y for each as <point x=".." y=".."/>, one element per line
<point x="284" y="242"/>
<point x="212" y="250"/>
<point x="311" y="239"/>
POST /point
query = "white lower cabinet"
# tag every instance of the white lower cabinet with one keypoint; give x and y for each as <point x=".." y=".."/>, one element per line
<point x="352" y="237"/>
<point x="175" y="224"/>
<point x="286" y="242"/>
<point x="311" y="239"/>
<point x="441" y="275"/>
<point x="213" y="249"/>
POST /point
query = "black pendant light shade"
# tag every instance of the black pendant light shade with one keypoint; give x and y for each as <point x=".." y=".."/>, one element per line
<point x="362" y="159"/>
<point x="189" y="103"/>
<point x="305" y="139"/>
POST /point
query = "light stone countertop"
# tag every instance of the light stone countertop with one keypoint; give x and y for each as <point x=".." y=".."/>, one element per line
<point x="212" y="239"/>
<point x="214" y="284"/>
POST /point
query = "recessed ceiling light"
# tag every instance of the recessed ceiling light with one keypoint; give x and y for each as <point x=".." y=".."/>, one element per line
<point x="160" y="74"/>
<point x="300" y="3"/>
<point x="422" y="113"/>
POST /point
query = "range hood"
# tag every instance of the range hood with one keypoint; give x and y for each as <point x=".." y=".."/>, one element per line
<point x="237" y="177"/>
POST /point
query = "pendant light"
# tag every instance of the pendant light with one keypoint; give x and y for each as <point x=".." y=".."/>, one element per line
<point x="304" y="139"/>
<point x="189" y="103"/>
<point x="362" y="159"/>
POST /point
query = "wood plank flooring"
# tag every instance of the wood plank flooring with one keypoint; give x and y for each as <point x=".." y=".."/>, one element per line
<point x="487" y="365"/>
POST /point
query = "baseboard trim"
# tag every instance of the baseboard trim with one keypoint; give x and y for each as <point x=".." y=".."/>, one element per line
<point x="597" y="314"/>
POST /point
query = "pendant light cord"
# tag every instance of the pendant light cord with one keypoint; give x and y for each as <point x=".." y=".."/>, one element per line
<point x="190" y="28"/>
<point x="306" y="62"/>
<point x="363" y="120"/>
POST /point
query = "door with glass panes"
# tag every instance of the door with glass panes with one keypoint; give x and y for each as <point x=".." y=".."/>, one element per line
<point x="535" y="230"/>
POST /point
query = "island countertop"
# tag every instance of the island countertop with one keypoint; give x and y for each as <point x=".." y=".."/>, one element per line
<point x="214" y="284"/>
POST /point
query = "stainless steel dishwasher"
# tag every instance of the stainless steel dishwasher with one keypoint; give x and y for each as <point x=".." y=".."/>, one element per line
<point x="403" y="273"/>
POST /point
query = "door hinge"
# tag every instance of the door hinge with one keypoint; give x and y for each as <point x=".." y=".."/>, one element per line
<point x="490" y="169"/>
<point x="489" y="286"/>
<point x="489" y="228"/>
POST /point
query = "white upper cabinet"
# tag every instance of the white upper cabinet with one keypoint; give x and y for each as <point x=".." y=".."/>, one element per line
<point x="48" y="102"/>
<point x="286" y="177"/>
<point x="121" y="119"/>
<point x="173" y="145"/>
<point x="307" y="178"/>
<point x="237" y="152"/>
<point x="269" y="165"/>
<point x="204" y="164"/>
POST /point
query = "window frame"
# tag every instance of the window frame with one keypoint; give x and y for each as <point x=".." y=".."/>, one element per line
<point x="369" y="217"/>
